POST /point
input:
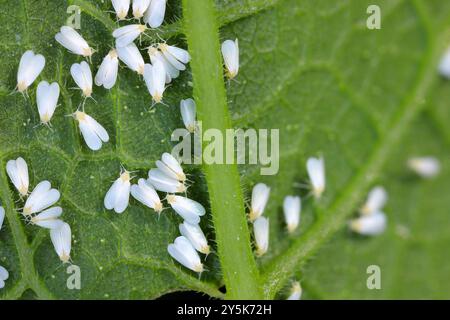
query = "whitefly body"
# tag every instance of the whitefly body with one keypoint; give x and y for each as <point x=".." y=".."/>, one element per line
<point x="147" y="195"/>
<point x="261" y="232"/>
<point x="177" y="57"/>
<point x="316" y="172"/>
<point x="2" y="217"/>
<point x="4" y="275"/>
<point x="295" y="292"/>
<point x="190" y="210"/>
<point x="195" y="235"/>
<point x="70" y="39"/>
<point x="155" y="79"/>
<point x="42" y="197"/>
<point x="131" y="56"/>
<point x="291" y="210"/>
<point x="376" y="200"/>
<point x="260" y="196"/>
<point x="140" y="7"/>
<point x="62" y="241"/>
<point x="127" y="34"/>
<point x="183" y="252"/>
<point x="118" y="195"/>
<point x="230" y="53"/>
<point x="171" y="71"/>
<point x="188" y="112"/>
<point x="369" y="225"/>
<point x="30" y="66"/>
<point x="107" y="73"/>
<point x="171" y="167"/>
<point x="47" y="99"/>
<point x="444" y="64"/>
<point x="82" y="75"/>
<point x="93" y="132"/>
<point x="121" y="8"/>
<point x="18" y="174"/>
<point x="154" y="16"/>
<point x="162" y="182"/>
<point x="49" y="218"/>
<point x="426" y="167"/>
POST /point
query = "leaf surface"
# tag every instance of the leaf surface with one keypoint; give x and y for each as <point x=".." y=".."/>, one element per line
<point x="309" y="68"/>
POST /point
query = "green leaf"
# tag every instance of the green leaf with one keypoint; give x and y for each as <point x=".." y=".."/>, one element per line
<point x="366" y="100"/>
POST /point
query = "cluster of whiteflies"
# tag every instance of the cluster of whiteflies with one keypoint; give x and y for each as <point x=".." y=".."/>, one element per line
<point x="372" y="220"/>
<point x="38" y="208"/>
<point x="168" y="177"/>
<point x="47" y="94"/>
<point x="291" y="205"/>
<point x="166" y="63"/>
<point x="152" y="11"/>
<point x="291" y="208"/>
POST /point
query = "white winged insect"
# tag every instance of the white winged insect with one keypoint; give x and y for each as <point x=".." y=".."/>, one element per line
<point x="195" y="235"/>
<point x="121" y="8"/>
<point x="376" y="200"/>
<point x="146" y="194"/>
<point x="188" y="111"/>
<point x="2" y="216"/>
<point x="188" y="209"/>
<point x="82" y="75"/>
<point x="30" y="66"/>
<point x="118" y="195"/>
<point x="155" y="79"/>
<point x="296" y="291"/>
<point x="131" y="56"/>
<point x="171" y="167"/>
<point x="369" y="225"/>
<point x="162" y="182"/>
<point x="140" y="7"/>
<point x="177" y="57"/>
<point x="47" y="99"/>
<point x="62" y="241"/>
<point x="316" y="171"/>
<point x="426" y="167"/>
<point x="18" y="173"/>
<point x="107" y="73"/>
<point x="92" y="131"/>
<point x="127" y="34"/>
<point x="261" y="231"/>
<point x="48" y="218"/>
<point x="154" y="16"/>
<point x="260" y="196"/>
<point x="42" y="197"/>
<point x="230" y="53"/>
<point x="69" y="38"/>
<point x="4" y="275"/>
<point x="292" y="209"/>
<point x="171" y="71"/>
<point x="183" y="252"/>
